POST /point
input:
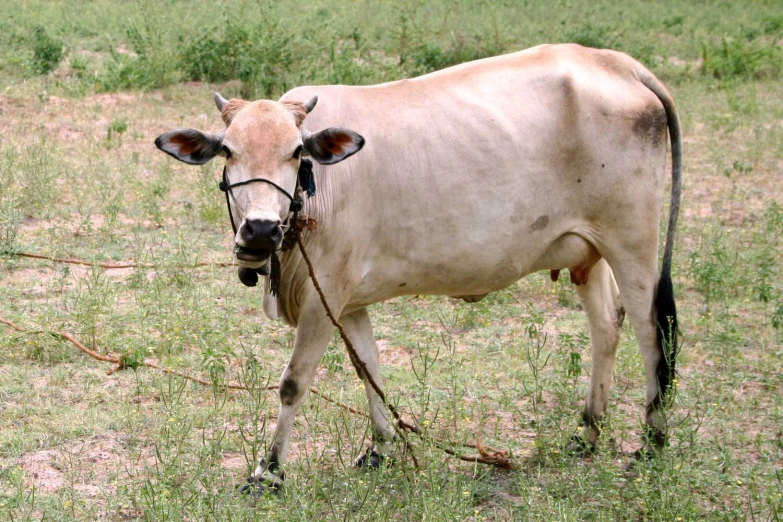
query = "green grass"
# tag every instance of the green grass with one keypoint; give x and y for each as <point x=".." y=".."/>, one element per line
<point x="270" y="47"/>
<point x="79" y="177"/>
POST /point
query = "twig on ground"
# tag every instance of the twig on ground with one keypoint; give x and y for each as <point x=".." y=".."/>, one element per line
<point x="121" y="365"/>
<point x="108" y="266"/>
<point x="498" y="458"/>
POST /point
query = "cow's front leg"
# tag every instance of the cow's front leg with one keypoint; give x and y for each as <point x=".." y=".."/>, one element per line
<point x="312" y="336"/>
<point x="359" y="329"/>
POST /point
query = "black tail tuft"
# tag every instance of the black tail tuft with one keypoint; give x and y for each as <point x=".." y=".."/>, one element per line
<point x="666" y="318"/>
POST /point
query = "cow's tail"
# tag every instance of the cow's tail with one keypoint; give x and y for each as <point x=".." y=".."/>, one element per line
<point x="666" y="310"/>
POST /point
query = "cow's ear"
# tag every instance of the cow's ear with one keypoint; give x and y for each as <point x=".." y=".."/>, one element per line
<point x="332" y="145"/>
<point x="191" y="146"/>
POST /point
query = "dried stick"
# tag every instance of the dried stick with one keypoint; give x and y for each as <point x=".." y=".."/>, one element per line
<point x="108" y="266"/>
<point x="498" y="458"/>
<point x="122" y="365"/>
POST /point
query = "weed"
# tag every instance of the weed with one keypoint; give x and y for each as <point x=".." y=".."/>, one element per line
<point x="777" y="316"/>
<point x="713" y="268"/>
<point x="47" y="51"/>
<point x="430" y="57"/>
<point x="117" y="127"/>
<point x="740" y="59"/>
<point x="79" y="64"/>
<point x="600" y="36"/>
<point x="10" y="219"/>
<point x="534" y="352"/>
<point x="147" y="65"/>
<point x="773" y="24"/>
<point x="260" y="55"/>
<point x="212" y="209"/>
<point x="765" y="275"/>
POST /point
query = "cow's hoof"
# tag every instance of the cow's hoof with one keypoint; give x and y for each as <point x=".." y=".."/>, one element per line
<point x="579" y="447"/>
<point x="370" y="459"/>
<point x="258" y="486"/>
<point x="643" y="455"/>
<point x="261" y="483"/>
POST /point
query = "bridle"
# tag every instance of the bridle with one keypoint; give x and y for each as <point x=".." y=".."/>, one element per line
<point x="297" y="203"/>
<point x="305" y="180"/>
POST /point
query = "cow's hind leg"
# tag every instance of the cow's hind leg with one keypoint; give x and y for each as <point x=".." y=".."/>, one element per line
<point x="645" y="298"/>
<point x="312" y="337"/>
<point x="600" y="300"/>
<point x="359" y="329"/>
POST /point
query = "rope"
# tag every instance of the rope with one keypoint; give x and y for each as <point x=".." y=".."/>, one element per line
<point x="499" y="458"/>
<point x="122" y="364"/>
<point x="108" y="266"/>
<point x="490" y="456"/>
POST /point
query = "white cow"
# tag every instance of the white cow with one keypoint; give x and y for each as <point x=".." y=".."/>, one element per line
<point x="469" y="179"/>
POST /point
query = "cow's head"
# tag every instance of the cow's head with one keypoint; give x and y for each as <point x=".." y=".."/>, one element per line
<point x="263" y="139"/>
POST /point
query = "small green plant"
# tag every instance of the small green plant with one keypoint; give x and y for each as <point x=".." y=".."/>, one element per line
<point x="79" y="65"/>
<point x="148" y="64"/>
<point x="773" y="24"/>
<point x="600" y="36"/>
<point x="763" y="285"/>
<point x="740" y="59"/>
<point x="260" y="55"/>
<point x="10" y="220"/>
<point x="537" y="359"/>
<point x="777" y="316"/>
<point x="211" y="205"/>
<point x="429" y="56"/>
<point x="47" y="51"/>
<point x="714" y="268"/>
<point x="117" y="127"/>
<point x="334" y="359"/>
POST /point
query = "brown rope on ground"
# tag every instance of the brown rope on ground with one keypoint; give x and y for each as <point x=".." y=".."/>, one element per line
<point x="123" y="364"/>
<point x="108" y="266"/>
<point x="498" y="458"/>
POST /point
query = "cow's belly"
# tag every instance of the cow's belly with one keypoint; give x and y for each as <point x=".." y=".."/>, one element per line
<point x="474" y="273"/>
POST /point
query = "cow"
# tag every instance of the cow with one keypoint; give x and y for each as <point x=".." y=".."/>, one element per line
<point x="459" y="183"/>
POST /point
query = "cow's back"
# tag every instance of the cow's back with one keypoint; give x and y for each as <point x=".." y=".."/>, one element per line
<point x="469" y="173"/>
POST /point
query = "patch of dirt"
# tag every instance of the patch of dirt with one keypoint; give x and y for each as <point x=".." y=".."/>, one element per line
<point x="110" y="99"/>
<point x="393" y="355"/>
<point x="86" y="465"/>
<point x="44" y="470"/>
<point x="233" y="461"/>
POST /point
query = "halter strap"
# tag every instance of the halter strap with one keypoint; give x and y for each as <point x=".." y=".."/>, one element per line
<point x="296" y="203"/>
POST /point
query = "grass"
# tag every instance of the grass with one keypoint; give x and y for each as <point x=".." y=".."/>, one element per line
<point x="79" y="177"/>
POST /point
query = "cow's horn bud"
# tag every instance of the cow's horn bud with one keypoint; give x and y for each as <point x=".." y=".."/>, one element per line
<point x="220" y="101"/>
<point x="309" y="105"/>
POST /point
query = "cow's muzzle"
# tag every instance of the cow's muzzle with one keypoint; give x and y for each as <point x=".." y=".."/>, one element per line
<point x="257" y="240"/>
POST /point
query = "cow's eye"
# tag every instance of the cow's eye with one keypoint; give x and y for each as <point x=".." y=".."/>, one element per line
<point x="226" y="151"/>
<point x="297" y="153"/>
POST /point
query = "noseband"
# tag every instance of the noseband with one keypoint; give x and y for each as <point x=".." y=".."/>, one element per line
<point x="304" y="180"/>
<point x="305" y="171"/>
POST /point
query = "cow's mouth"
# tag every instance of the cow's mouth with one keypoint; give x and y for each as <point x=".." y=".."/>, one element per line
<point x="251" y="257"/>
